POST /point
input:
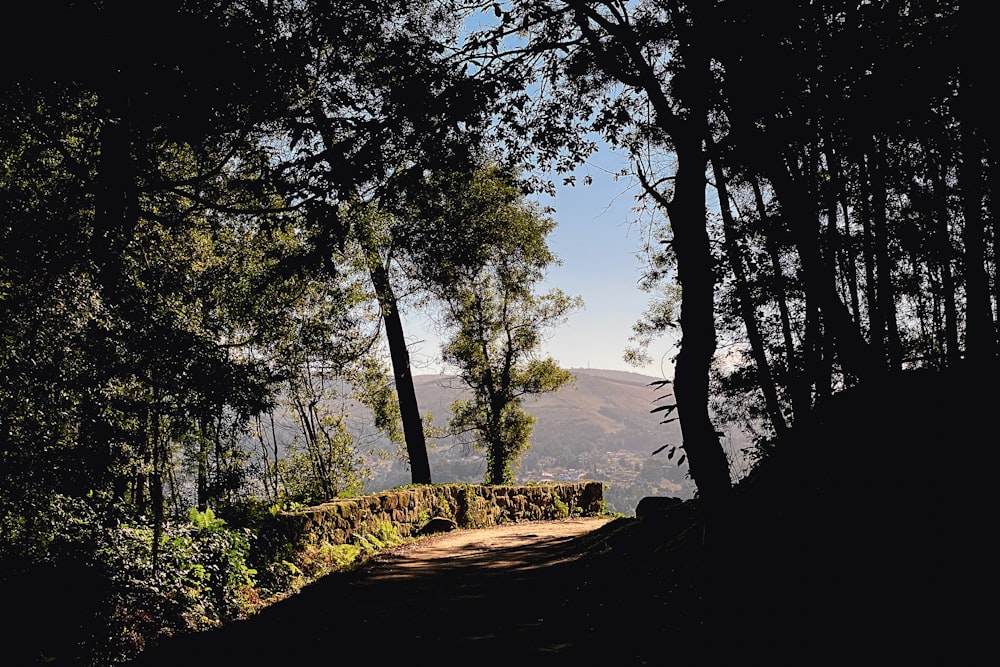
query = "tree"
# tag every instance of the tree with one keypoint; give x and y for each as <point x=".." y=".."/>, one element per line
<point x="495" y="337"/>
<point x="369" y="131"/>
<point x="855" y="180"/>
<point x="642" y="78"/>
<point x="498" y="324"/>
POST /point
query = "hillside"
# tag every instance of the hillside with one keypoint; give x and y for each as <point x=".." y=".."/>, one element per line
<point x="598" y="428"/>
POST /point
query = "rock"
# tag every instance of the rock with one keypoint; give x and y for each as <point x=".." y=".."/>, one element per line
<point x="655" y="507"/>
<point x="438" y="524"/>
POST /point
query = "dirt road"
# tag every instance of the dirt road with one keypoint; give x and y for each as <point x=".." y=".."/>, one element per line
<point x="512" y="546"/>
<point x="495" y="595"/>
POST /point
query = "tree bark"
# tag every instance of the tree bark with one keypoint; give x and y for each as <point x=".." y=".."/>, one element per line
<point x="944" y="249"/>
<point x="886" y="288"/>
<point x="980" y="336"/>
<point x="764" y="377"/>
<point x="695" y="272"/>
<point x="156" y="478"/>
<point x="981" y="333"/>
<point x="876" y="326"/>
<point x="623" y="58"/>
<point x="839" y="242"/>
<point x="413" y="426"/>
<point x="202" y="498"/>
<point x="853" y="351"/>
<point x="797" y="387"/>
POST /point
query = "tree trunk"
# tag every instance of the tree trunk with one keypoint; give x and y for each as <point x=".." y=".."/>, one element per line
<point x="839" y="244"/>
<point x="886" y="288"/>
<point x="203" y="466"/>
<point x="764" y="377"/>
<point x="413" y="427"/>
<point x="850" y="265"/>
<point x="797" y="386"/>
<point x="265" y="473"/>
<point x="156" y="479"/>
<point x="943" y="246"/>
<point x="116" y="207"/>
<point x="976" y="127"/>
<point x="853" y="351"/>
<point x="876" y="327"/>
<point x="993" y="185"/>
<point x="980" y="336"/>
<point x="686" y="210"/>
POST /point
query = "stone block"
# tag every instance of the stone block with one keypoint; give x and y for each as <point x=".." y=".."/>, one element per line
<point x="438" y="524"/>
<point x="656" y="507"/>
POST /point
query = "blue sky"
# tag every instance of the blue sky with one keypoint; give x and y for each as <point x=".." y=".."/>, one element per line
<point x="597" y="238"/>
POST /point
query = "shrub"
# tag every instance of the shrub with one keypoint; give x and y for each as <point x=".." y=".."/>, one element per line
<point x="201" y="579"/>
<point x="562" y="509"/>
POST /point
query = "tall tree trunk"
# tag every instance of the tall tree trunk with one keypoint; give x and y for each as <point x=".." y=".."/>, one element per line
<point x="977" y="129"/>
<point x="695" y="272"/>
<point x="839" y="244"/>
<point x="944" y="247"/>
<point x="274" y="442"/>
<point x="116" y="204"/>
<point x="265" y="470"/>
<point x="202" y="499"/>
<point x="923" y="316"/>
<point x="686" y="211"/>
<point x="140" y="483"/>
<point x="850" y="264"/>
<point x="413" y="427"/>
<point x="993" y="185"/>
<point x="853" y="351"/>
<point x="980" y="333"/>
<point x="886" y="287"/>
<point x="939" y="318"/>
<point x="797" y="386"/>
<point x="812" y="347"/>
<point x="156" y="478"/>
<point x="876" y="327"/>
<point x="764" y="377"/>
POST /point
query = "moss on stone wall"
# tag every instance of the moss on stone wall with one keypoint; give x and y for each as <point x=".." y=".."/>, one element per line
<point x="408" y="508"/>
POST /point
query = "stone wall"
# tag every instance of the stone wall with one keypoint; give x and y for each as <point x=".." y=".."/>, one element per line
<point x="408" y="509"/>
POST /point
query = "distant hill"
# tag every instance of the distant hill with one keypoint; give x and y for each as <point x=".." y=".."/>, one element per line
<point x="599" y="428"/>
<point x="602" y="410"/>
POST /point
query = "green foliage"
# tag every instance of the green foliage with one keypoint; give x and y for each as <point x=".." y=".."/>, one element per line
<point x="205" y="521"/>
<point x="372" y="389"/>
<point x="660" y="316"/>
<point x="282" y="577"/>
<point x="379" y="536"/>
<point x="315" y="561"/>
<point x="443" y="505"/>
<point x="562" y="509"/>
<point x="172" y="264"/>
<point x="123" y="600"/>
<point x="385" y="532"/>
<point x="504" y="437"/>
<point x="184" y="277"/>
<point x="497" y="322"/>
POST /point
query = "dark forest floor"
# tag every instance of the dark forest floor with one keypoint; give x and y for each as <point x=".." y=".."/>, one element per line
<point x="868" y="536"/>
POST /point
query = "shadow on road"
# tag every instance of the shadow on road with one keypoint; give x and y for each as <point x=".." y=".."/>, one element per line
<point x="526" y="601"/>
